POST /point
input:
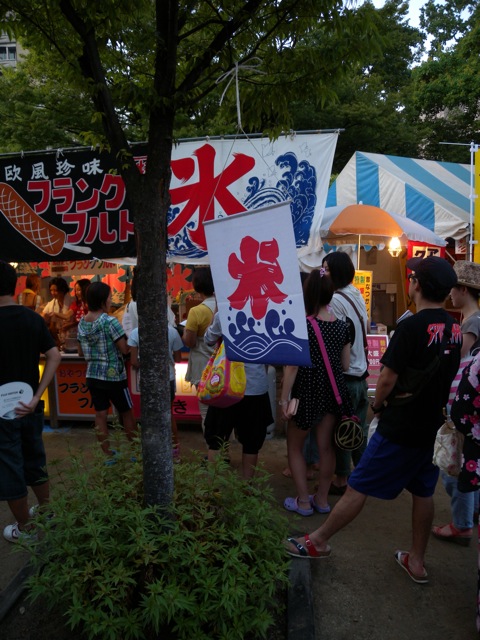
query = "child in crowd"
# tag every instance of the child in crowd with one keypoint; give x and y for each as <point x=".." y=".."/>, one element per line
<point x="102" y="342"/>
<point x="175" y="346"/>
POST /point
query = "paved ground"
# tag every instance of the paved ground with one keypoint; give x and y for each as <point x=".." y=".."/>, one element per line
<point x="359" y="593"/>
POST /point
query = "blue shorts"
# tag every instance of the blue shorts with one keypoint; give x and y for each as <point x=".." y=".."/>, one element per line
<point x="386" y="469"/>
<point x="22" y="455"/>
<point x="103" y="393"/>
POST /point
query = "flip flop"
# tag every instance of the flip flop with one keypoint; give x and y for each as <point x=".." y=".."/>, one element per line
<point x="307" y="550"/>
<point x="402" y="558"/>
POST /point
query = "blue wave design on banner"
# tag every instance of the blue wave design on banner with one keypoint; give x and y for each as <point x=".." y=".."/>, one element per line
<point x="297" y="183"/>
<point x="246" y="340"/>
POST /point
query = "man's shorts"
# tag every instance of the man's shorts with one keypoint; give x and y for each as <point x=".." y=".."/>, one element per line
<point x="22" y="455"/>
<point x="104" y="392"/>
<point x="386" y="468"/>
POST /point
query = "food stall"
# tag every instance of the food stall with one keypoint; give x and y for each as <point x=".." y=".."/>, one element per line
<point x="67" y="398"/>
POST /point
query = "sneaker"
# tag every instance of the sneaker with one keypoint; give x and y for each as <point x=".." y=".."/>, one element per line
<point x="12" y="533"/>
<point x="34" y="511"/>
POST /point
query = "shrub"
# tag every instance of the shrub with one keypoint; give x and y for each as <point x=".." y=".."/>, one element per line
<point x="210" y="569"/>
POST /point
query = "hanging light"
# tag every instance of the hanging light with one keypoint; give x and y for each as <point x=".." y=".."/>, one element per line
<point x="394" y="247"/>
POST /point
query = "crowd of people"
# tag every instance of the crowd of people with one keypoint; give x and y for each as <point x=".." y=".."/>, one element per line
<point x="431" y="363"/>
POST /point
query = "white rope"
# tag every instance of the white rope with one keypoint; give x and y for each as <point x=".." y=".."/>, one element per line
<point x="250" y="65"/>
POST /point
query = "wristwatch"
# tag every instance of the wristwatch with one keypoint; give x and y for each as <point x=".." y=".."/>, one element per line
<point x="377" y="409"/>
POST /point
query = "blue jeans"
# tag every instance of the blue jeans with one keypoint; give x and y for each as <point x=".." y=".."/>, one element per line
<point x="463" y="504"/>
<point x="359" y="394"/>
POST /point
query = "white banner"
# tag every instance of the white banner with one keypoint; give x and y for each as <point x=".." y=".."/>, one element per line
<point x="217" y="178"/>
<point x="257" y="286"/>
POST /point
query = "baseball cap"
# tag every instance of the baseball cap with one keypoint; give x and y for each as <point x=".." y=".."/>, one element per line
<point x="433" y="272"/>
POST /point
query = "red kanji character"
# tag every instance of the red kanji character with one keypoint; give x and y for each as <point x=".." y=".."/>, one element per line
<point x="80" y="219"/>
<point x="92" y="230"/>
<point x="113" y="182"/>
<point x="436" y="332"/>
<point x="63" y="189"/>
<point x="126" y="228"/>
<point x="106" y="236"/>
<point x="258" y="272"/>
<point x="201" y="195"/>
<point x="91" y="203"/>
<point x="141" y="162"/>
<point x="44" y="186"/>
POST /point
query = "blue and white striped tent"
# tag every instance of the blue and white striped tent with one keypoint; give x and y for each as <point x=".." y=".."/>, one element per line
<point x="434" y="194"/>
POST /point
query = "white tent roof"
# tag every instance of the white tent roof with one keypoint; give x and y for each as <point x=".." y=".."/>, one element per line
<point x="434" y="194"/>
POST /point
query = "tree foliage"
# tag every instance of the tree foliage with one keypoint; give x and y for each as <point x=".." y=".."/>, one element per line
<point x="371" y="96"/>
<point x="446" y="87"/>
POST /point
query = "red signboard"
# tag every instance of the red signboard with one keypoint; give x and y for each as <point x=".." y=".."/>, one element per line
<point x="377" y="345"/>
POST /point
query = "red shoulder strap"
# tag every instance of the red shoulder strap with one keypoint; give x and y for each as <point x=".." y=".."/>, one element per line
<point x="324" y="353"/>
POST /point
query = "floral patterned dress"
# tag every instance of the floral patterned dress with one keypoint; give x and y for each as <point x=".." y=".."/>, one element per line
<point x="465" y="414"/>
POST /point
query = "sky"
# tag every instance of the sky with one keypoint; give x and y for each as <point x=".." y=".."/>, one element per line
<point x="414" y="13"/>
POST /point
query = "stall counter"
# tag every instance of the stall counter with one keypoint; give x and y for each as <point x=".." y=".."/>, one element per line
<point x="69" y="398"/>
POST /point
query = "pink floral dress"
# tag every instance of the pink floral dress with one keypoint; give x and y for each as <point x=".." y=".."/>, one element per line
<point x="465" y="414"/>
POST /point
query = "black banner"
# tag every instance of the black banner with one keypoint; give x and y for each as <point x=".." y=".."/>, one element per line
<point x="64" y="205"/>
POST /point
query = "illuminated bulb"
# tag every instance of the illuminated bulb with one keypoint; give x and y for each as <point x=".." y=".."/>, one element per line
<point x="394" y="247"/>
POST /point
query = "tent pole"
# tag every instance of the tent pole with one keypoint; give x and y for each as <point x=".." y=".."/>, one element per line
<point x="358" y="252"/>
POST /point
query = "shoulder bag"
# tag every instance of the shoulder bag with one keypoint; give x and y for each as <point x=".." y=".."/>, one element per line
<point x="348" y="434"/>
<point x="448" y="448"/>
<point x="223" y="382"/>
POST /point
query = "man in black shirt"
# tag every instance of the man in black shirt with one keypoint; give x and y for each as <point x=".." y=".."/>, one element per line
<point x="23" y="337"/>
<point x="418" y="367"/>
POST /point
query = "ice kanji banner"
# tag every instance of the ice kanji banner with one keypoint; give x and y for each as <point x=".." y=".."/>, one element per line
<point x="257" y="286"/>
<point x="219" y="178"/>
<point x="68" y="204"/>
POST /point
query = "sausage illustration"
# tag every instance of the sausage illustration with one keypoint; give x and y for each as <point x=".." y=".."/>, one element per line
<point x="31" y="226"/>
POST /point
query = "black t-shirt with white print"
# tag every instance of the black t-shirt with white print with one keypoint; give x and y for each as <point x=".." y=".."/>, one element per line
<point x="416" y="341"/>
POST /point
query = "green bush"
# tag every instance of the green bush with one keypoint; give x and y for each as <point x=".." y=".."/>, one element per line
<point x="119" y="569"/>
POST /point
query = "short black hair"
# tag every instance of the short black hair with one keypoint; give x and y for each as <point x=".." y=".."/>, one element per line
<point x="60" y="283"/>
<point x="203" y="282"/>
<point x="341" y="267"/>
<point x="317" y="291"/>
<point x="8" y="279"/>
<point x="97" y="295"/>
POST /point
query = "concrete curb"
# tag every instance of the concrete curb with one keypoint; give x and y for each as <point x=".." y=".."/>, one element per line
<point x="13" y="591"/>
<point x="300" y="614"/>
